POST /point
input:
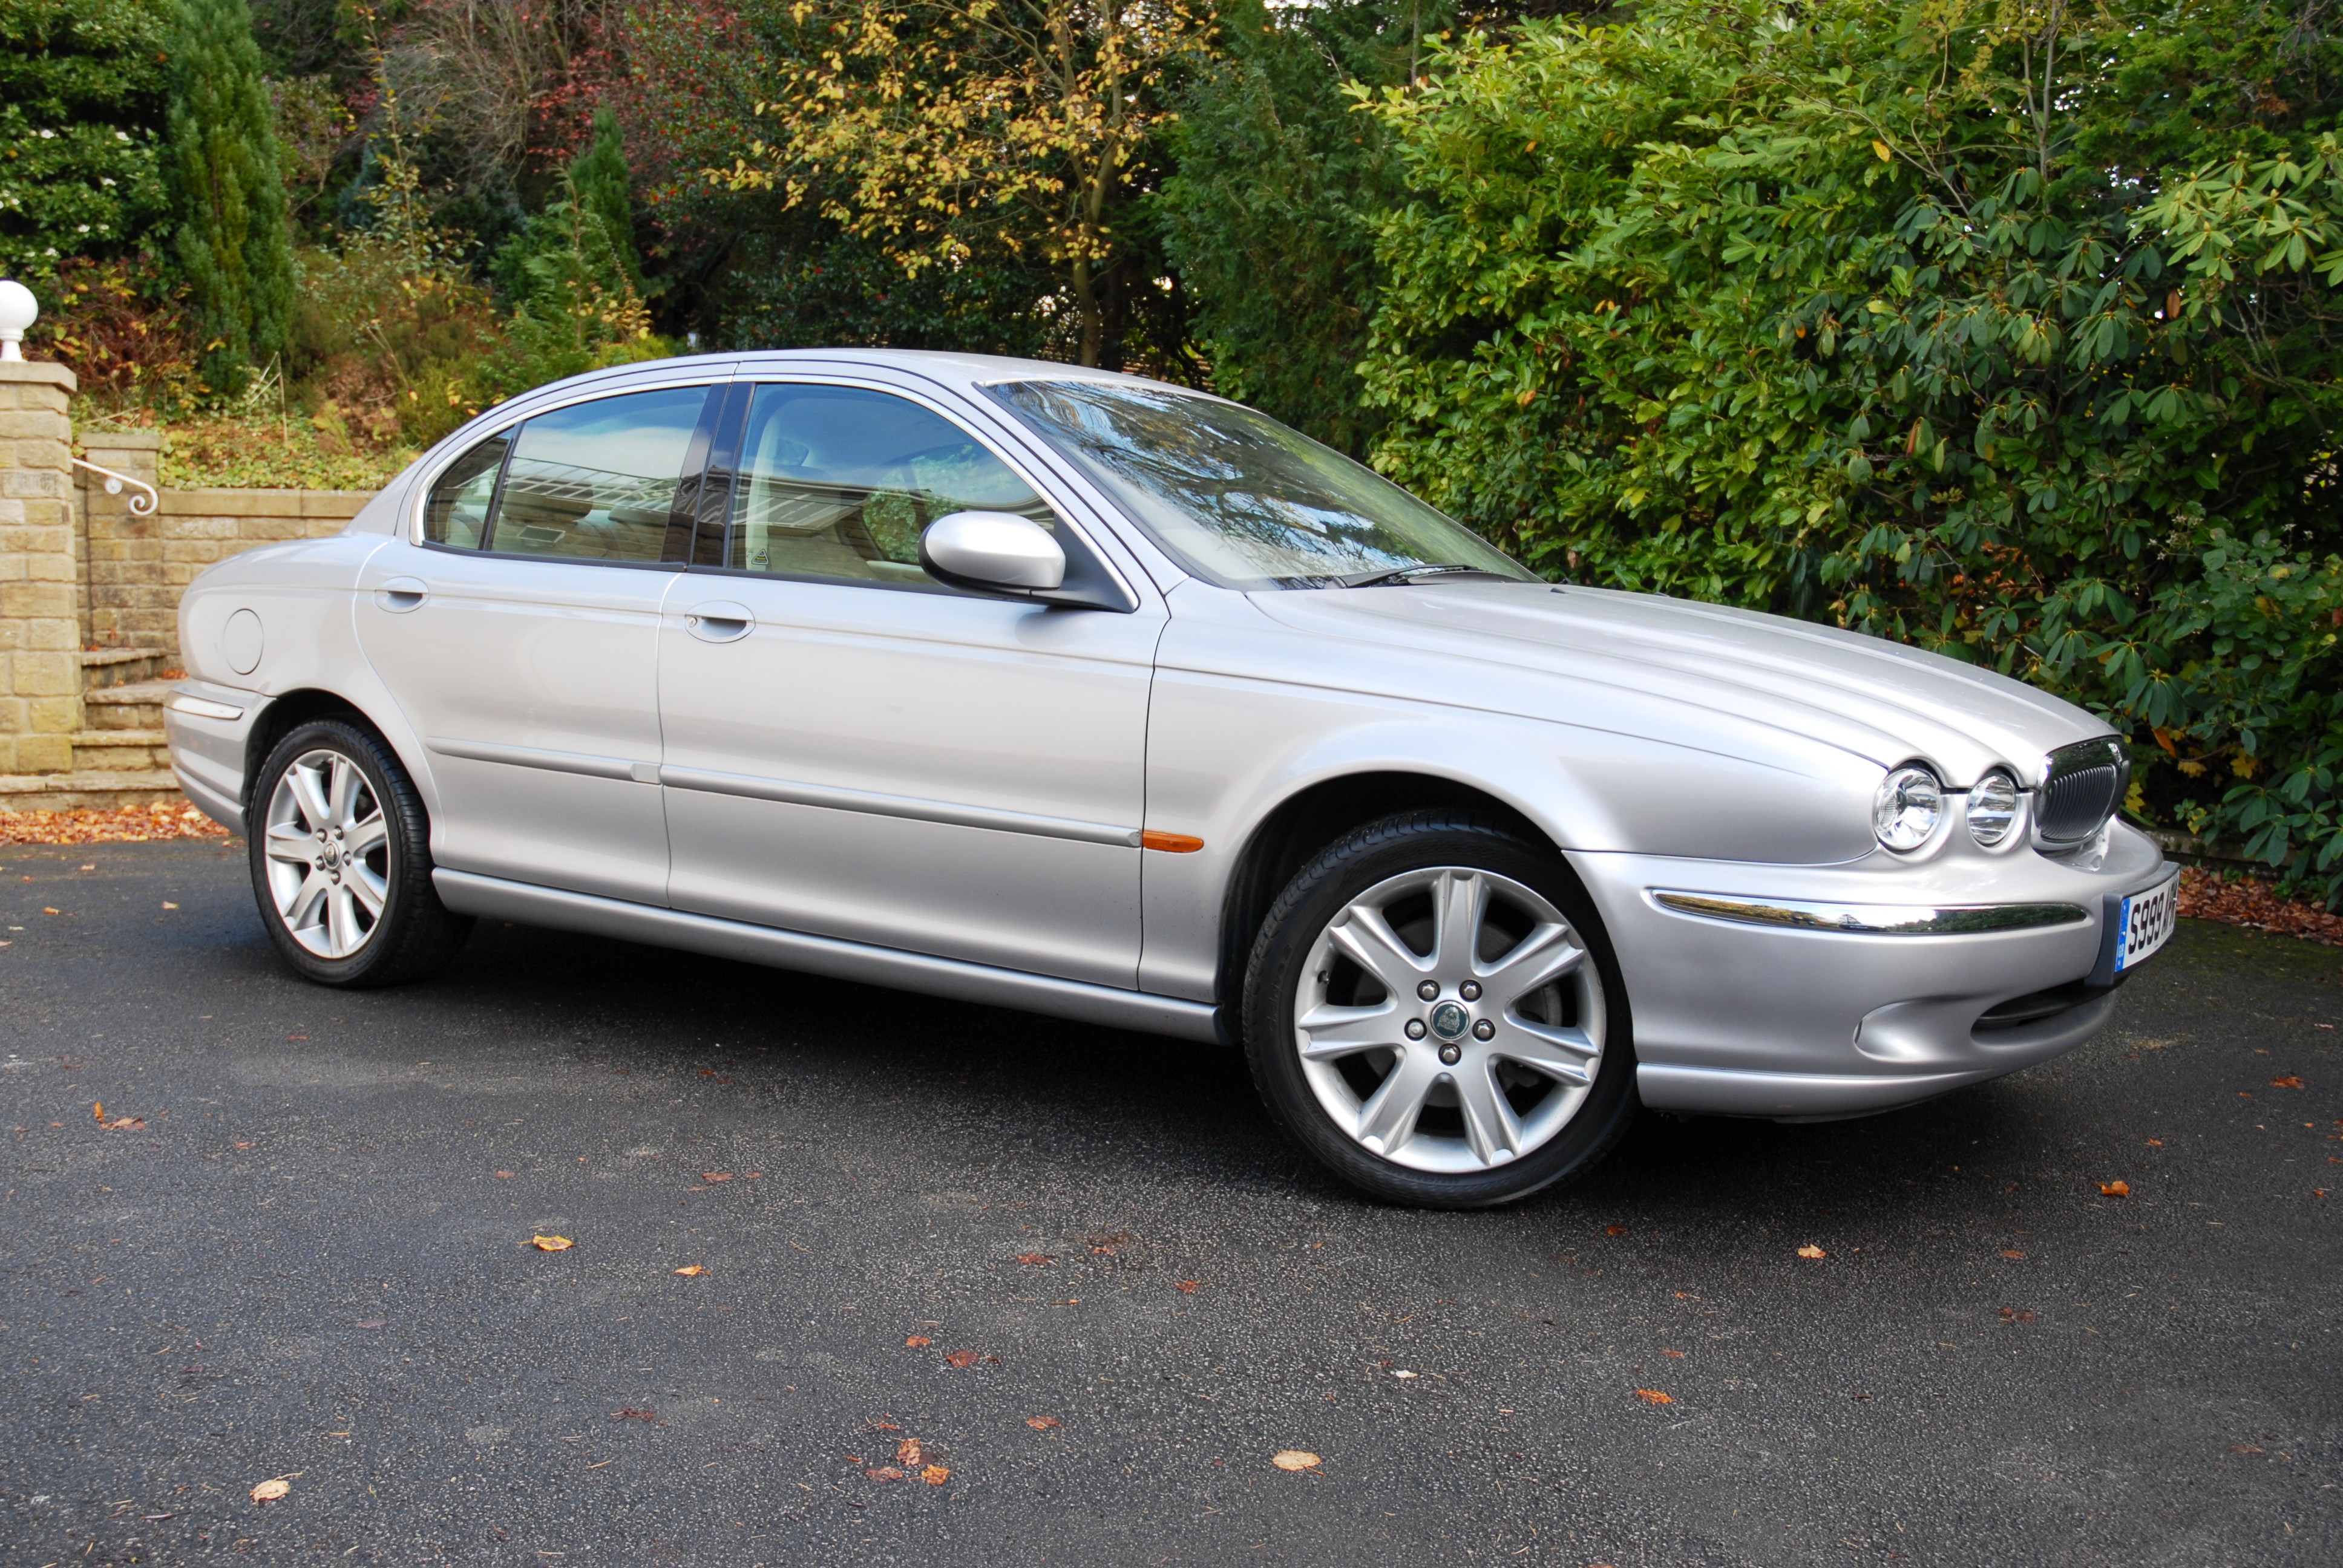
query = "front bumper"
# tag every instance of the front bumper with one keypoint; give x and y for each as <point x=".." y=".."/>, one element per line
<point x="1824" y="1013"/>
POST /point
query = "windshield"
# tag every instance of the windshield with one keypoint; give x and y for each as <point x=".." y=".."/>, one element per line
<point x="1240" y="500"/>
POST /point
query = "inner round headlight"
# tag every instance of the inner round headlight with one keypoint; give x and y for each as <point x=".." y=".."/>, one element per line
<point x="1993" y="807"/>
<point x="1910" y="804"/>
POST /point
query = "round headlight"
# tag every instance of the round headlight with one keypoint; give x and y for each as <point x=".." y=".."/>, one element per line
<point x="1993" y="807"/>
<point x="1911" y="803"/>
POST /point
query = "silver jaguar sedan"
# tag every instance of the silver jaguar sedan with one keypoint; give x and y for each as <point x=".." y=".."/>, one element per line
<point x="1075" y="693"/>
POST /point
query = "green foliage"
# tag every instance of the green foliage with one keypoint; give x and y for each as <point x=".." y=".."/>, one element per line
<point x="81" y="107"/>
<point x="1977" y="327"/>
<point x="227" y="192"/>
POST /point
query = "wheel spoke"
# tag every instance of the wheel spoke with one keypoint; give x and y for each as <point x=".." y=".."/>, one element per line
<point x="285" y="842"/>
<point x="1567" y="1054"/>
<point x="1544" y="956"/>
<point x="309" y="796"/>
<point x="366" y="887"/>
<point x="342" y="782"/>
<point x="1459" y="901"/>
<point x="1347" y="1030"/>
<point x="342" y="921"/>
<point x="1387" y="1120"/>
<point x="364" y="836"/>
<point x="300" y="912"/>
<point x="1366" y="938"/>
<point x="1489" y="1125"/>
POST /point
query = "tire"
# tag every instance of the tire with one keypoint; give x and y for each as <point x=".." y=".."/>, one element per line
<point x="357" y="920"/>
<point x="1493" y="1066"/>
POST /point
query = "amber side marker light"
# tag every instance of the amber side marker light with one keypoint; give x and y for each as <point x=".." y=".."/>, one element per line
<point x="1170" y="843"/>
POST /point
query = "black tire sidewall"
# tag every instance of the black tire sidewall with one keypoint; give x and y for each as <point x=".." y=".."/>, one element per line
<point x="410" y="902"/>
<point x="1320" y="891"/>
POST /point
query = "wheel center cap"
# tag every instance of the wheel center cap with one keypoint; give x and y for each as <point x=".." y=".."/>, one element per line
<point x="333" y="856"/>
<point x="1450" y="1021"/>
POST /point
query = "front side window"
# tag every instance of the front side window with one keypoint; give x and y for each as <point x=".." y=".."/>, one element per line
<point x="456" y="515"/>
<point x="1240" y="500"/>
<point x="840" y="482"/>
<point x="597" y="482"/>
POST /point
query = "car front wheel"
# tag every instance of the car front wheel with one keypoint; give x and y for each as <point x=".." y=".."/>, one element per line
<point x="341" y="861"/>
<point x="1433" y="1010"/>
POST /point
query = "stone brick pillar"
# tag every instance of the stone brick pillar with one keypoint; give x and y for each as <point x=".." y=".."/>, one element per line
<point x="122" y="550"/>
<point x="40" y="642"/>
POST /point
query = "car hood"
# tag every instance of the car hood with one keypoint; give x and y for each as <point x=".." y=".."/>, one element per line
<point x="1669" y="659"/>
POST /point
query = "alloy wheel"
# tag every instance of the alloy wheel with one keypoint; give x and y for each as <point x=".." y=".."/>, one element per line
<point x="328" y="854"/>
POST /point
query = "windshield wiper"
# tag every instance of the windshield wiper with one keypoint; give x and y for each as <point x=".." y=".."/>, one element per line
<point x="1409" y="574"/>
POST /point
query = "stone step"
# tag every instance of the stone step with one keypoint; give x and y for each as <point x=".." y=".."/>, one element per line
<point x="120" y="751"/>
<point x="104" y="667"/>
<point x="137" y="706"/>
<point x="80" y="791"/>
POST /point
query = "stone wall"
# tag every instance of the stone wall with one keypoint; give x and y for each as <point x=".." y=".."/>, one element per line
<point x="40" y="668"/>
<point x="134" y="568"/>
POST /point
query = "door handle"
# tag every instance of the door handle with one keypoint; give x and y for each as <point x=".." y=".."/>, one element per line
<point x="721" y="620"/>
<point x="400" y="595"/>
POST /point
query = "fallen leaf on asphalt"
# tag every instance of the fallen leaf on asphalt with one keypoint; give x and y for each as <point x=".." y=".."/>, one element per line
<point x="551" y="1243"/>
<point x="1186" y="1287"/>
<point x="693" y="1270"/>
<point x="1654" y="1396"/>
<point x="1032" y="1257"/>
<point x="1295" y="1459"/>
<point x="127" y="1124"/>
<point x="270" y="1491"/>
<point x="2244" y="1095"/>
<point x="1403" y="1373"/>
<point x="2289" y="1082"/>
<point x="2155" y="1143"/>
<point x="1811" y="1251"/>
<point x="97" y="1110"/>
<point x="1615" y="1229"/>
<point x="910" y="1454"/>
<point x="2012" y="1315"/>
<point x="48" y="911"/>
<point x="2243" y="1448"/>
<point x="1674" y="1355"/>
<point x="917" y="1340"/>
<point x="884" y="1472"/>
<point x="2117" y="1188"/>
<point x="1042" y="1423"/>
<point x="89" y="868"/>
<point x="716" y="1175"/>
<point x="961" y="1359"/>
<point x="935" y="1475"/>
<point x="647" y="1417"/>
<point x="2013" y="1254"/>
<point x="2318" y="1191"/>
<point x="170" y="905"/>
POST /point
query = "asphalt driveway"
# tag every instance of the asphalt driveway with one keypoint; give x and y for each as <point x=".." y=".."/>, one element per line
<point x="984" y="1288"/>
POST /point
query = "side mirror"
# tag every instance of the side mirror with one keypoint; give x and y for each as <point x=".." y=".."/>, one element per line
<point x="1000" y="551"/>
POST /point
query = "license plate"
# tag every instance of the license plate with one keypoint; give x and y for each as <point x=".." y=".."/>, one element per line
<point x="2146" y="923"/>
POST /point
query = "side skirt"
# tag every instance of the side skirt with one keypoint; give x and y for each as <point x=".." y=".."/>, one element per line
<point x="492" y="898"/>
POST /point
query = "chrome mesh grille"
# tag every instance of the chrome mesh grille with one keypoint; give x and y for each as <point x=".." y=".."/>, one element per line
<point x="2082" y="785"/>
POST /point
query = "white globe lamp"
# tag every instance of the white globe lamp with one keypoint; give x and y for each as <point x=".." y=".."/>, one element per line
<point x="18" y="311"/>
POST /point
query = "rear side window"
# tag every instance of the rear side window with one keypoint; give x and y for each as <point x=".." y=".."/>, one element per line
<point x="597" y="482"/>
<point x="456" y="515"/>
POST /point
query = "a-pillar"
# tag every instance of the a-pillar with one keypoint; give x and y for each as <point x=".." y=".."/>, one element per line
<point x="40" y="663"/>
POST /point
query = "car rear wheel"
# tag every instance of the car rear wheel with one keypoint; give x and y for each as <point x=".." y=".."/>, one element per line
<point x="1433" y="1010"/>
<point x="341" y="861"/>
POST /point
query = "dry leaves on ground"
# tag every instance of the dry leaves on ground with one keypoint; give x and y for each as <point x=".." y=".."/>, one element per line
<point x="960" y="1359"/>
<point x="935" y="1474"/>
<point x="1186" y="1287"/>
<point x="917" y="1341"/>
<point x="269" y="1491"/>
<point x="649" y="1418"/>
<point x="127" y="1124"/>
<point x="692" y="1272"/>
<point x="2013" y="1254"/>
<point x="2249" y="902"/>
<point x="2289" y="1082"/>
<point x="1654" y="1396"/>
<point x="714" y="1176"/>
<point x="117" y="825"/>
<point x="551" y="1243"/>
<point x="504" y="1175"/>
<point x="1295" y="1459"/>
<point x="1615" y="1229"/>
<point x="1032" y="1258"/>
<point x="1811" y="1251"/>
<point x="1042" y="1423"/>
<point x="2115" y="1188"/>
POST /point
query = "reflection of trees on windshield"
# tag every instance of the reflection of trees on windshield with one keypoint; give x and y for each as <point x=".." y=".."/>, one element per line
<point x="1247" y="498"/>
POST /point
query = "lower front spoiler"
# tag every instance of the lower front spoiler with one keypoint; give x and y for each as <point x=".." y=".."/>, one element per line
<point x="1817" y="1096"/>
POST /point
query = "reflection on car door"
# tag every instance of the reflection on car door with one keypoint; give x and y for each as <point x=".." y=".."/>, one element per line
<point x="521" y="640"/>
<point x="852" y="751"/>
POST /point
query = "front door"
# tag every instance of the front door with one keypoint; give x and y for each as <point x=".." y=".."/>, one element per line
<point x="522" y="641"/>
<point x="854" y="750"/>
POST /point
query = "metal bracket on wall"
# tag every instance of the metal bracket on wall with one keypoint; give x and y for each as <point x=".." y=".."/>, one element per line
<point x="141" y="505"/>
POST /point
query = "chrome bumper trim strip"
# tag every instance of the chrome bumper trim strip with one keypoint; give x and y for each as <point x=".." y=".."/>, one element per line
<point x="592" y="766"/>
<point x="1871" y="919"/>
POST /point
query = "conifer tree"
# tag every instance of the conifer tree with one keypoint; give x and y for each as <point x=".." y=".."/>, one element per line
<point x="221" y="160"/>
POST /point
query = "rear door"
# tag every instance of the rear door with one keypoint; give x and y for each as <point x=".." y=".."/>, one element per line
<point x="520" y="637"/>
